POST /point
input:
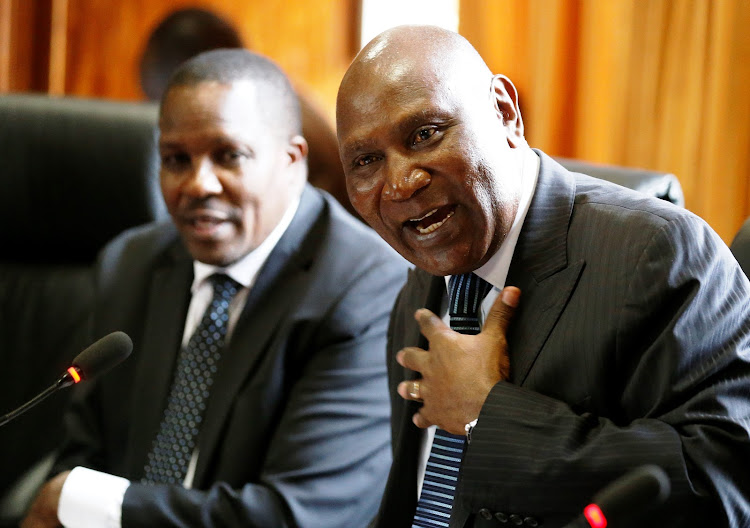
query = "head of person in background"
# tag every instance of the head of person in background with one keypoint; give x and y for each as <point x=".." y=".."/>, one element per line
<point x="233" y="159"/>
<point x="428" y="142"/>
<point x="181" y="35"/>
<point x="187" y="32"/>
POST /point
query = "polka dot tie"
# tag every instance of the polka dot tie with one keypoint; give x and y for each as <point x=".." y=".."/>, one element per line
<point x="194" y="373"/>
<point x="465" y="295"/>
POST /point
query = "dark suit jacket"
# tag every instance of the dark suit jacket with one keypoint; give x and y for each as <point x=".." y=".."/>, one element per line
<point x="296" y="429"/>
<point x="630" y="346"/>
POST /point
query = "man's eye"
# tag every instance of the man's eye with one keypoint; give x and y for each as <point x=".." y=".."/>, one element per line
<point x="175" y="161"/>
<point x="364" y="160"/>
<point x="230" y="157"/>
<point x="423" y="134"/>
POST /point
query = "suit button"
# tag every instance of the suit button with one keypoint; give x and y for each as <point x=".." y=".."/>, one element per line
<point x="531" y="522"/>
<point x="501" y="517"/>
<point x="485" y="514"/>
<point x="516" y="519"/>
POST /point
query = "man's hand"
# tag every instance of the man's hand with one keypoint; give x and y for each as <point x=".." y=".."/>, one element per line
<point x="43" y="511"/>
<point x="458" y="371"/>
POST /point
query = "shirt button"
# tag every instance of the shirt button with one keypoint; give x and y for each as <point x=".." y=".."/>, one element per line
<point x="501" y="517"/>
<point x="485" y="514"/>
<point x="531" y="522"/>
<point x="516" y="519"/>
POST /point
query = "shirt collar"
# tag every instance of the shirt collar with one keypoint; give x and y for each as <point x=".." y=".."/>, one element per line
<point x="246" y="269"/>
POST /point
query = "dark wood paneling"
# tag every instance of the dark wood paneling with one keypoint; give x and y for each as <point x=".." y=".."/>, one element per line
<point x="24" y="45"/>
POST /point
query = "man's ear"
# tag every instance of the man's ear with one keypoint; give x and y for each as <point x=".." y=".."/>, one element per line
<point x="297" y="168"/>
<point x="505" y="99"/>
<point x="297" y="149"/>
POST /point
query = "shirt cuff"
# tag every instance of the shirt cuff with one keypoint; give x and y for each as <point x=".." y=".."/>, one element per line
<point x="91" y="499"/>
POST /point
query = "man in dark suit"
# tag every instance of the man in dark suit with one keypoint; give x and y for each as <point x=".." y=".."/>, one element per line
<point x="616" y="328"/>
<point x="257" y="393"/>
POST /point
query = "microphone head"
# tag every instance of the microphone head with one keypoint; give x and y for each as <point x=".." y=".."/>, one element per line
<point x="638" y="490"/>
<point x="103" y="354"/>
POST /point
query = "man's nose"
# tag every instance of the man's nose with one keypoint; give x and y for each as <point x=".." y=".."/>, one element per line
<point x="404" y="179"/>
<point x="204" y="181"/>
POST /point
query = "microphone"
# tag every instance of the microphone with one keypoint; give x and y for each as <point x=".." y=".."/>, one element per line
<point x="624" y="499"/>
<point x="94" y="360"/>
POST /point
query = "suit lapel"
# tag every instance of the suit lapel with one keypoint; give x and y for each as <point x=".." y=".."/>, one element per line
<point x="275" y="292"/>
<point x="400" y="499"/>
<point x="540" y="308"/>
<point x="540" y="267"/>
<point x="167" y="305"/>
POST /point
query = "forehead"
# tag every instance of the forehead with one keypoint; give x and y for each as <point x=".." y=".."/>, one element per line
<point x="232" y="106"/>
<point x="372" y="98"/>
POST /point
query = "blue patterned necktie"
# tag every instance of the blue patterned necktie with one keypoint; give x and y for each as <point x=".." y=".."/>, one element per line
<point x="465" y="294"/>
<point x="196" y="367"/>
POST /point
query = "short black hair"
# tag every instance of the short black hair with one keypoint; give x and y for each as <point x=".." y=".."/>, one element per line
<point x="276" y="96"/>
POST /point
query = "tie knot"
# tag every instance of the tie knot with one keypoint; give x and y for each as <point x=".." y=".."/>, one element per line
<point x="224" y="286"/>
<point x="466" y="293"/>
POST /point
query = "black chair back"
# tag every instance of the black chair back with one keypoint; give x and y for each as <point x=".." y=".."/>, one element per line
<point x="660" y="184"/>
<point x="73" y="174"/>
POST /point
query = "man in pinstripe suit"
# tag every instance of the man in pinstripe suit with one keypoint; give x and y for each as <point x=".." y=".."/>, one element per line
<point x="616" y="334"/>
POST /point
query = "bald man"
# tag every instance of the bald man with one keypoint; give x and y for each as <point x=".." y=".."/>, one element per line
<point x="559" y="330"/>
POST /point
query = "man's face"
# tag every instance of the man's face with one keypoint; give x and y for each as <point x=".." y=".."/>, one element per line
<point x="429" y="166"/>
<point x="227" y="177"/>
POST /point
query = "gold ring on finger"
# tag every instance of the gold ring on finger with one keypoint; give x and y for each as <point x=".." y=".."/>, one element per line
<point x="414" y="390"/>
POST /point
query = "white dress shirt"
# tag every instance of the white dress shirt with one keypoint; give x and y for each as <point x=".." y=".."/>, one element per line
<point x="92" y="499"/>
<point x="494" y="271"/>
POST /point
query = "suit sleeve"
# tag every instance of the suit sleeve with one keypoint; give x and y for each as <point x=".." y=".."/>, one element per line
<point x="330" y="454"/>
<point x="681" y="354"/>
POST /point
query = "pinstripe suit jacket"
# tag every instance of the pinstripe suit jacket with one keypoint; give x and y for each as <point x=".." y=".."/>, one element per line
<point x="631" y="345"/>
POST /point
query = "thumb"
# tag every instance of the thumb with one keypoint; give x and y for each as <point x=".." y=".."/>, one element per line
<point x="502" y="311"/>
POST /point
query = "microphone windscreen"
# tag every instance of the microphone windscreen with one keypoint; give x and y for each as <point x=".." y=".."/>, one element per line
<point x="103" y="354"/>
<point x="643" y="487"/>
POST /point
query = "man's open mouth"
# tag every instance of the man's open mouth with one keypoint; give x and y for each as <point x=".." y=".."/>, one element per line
<point x="431" y="220"/>
<point x="205" y="221"/>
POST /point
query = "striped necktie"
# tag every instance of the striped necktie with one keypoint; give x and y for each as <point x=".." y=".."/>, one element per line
<point x="194" y="373"/>
<point x="465" y="294"/>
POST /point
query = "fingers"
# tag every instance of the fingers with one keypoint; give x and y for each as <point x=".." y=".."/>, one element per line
<point x="420" y="421"/>
<point x="411" y="390"/>
<point x="413" y="358"/>
<point x="429" y="323"/>
<point x="502" y="311"/>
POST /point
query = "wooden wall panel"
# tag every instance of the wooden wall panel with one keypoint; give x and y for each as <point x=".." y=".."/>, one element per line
<point x="5" y="45"/>
<point x="24" y="45"/>
<point x="312" y="41"/>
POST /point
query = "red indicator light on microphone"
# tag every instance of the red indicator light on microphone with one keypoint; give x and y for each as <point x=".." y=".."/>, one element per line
<point x="594" y="516"/>
<point x="74" y="374"/>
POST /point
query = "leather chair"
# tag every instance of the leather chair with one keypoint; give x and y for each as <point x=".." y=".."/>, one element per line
<point x="660" y="184"/>
<point x="73" y="174"/>
<point x="741" y="247"/>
